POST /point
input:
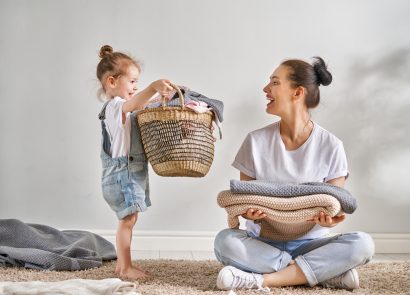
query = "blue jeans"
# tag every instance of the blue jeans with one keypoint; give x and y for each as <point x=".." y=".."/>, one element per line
<point x="125" y="185"/>
<point x="125" y="181"/>
<point x="319" y="259"/>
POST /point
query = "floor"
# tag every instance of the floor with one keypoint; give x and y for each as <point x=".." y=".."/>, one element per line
<point x="202" y="255"/>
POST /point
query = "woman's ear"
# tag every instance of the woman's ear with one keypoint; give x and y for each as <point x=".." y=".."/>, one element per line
<point x="299" y="92"/>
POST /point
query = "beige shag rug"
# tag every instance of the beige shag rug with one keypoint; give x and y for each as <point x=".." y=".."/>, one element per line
<point x="198" y="277"/>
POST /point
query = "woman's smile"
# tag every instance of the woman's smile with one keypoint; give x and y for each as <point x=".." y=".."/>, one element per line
<point x="270" y="99"/>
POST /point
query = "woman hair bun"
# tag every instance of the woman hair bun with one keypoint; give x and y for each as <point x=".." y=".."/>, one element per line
<point x="105" y="50"/>
<point x="324" y="77"/>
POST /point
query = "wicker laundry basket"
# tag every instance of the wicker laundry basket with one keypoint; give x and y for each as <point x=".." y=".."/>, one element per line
<point x="177" y="140"/>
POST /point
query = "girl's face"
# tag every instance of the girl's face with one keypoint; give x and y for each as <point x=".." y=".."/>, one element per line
<point x="279" y="92"/>
<point x="125" y="86"/>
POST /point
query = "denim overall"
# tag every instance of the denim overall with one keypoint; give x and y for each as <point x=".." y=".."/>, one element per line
<point x="125" y="184"/>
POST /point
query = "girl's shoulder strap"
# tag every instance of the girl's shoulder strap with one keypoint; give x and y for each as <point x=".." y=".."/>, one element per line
<point x="101" y="115"/>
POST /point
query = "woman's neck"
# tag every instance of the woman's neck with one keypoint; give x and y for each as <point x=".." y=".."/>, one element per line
<point x="295" y="130"/>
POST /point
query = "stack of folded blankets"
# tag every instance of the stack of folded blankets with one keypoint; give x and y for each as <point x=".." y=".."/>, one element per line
<point x="289" y="208"/>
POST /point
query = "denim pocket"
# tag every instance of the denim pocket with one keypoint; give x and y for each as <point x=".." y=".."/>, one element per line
<point x="112" y="192"/>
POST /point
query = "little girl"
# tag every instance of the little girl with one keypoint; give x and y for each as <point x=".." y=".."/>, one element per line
<point x="125" y="171"/>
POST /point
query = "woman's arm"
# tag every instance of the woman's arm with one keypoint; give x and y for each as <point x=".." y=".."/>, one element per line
<point x="340" y="181"/>
<point x="324" y="220"/>
<point x="245" y="177"/>
<point x="251" y="214"/>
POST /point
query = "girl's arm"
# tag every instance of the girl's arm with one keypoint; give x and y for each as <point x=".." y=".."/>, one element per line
<point x="137" y="102"/>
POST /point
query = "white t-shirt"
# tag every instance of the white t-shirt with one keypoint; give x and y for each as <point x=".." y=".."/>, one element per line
<point x="120" y="134"/>
<point x="263" y="156"/>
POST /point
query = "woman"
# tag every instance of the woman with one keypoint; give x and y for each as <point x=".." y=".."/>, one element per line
<point x="293" y="150"/>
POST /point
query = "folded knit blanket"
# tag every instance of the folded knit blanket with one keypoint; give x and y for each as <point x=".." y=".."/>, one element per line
<point x="286" y="218"/>
<point x="42" y="247"/>
<point x="274" y="189"/>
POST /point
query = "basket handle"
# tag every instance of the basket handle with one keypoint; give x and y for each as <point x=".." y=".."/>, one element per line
<point x="180" y="96"/>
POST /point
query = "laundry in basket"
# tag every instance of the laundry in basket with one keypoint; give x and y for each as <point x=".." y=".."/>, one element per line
<point x="177" y="140"/>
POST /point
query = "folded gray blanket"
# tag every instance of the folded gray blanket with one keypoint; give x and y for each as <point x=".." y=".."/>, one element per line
<point x="287" y="190"/>
<point x="43" y="247"/>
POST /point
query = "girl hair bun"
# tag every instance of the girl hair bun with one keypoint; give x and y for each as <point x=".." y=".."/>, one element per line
<point x="324" y="77"/>
<point x="105" y="51"/>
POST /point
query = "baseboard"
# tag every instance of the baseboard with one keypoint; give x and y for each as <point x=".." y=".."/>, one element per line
<point x="203" y="241"/>
<point x="391" y="243"/>
<point x="166" y="240"/>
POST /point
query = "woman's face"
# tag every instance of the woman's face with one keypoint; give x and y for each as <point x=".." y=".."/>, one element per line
<point x="279" y="92"/>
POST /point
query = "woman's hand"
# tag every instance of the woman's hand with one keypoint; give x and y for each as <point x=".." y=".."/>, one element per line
<point x="326" y="221"/>
<point x="253" y="214"/>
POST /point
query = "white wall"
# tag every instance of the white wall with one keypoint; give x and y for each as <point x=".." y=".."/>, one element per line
<point x="50" y="134"/>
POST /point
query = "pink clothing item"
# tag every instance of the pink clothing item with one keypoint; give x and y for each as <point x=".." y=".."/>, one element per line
<point x="197" y="106"/>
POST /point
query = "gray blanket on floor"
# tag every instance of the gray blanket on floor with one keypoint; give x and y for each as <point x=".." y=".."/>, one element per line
<point x="287" y="190"/>
<point x="42" y="247"/>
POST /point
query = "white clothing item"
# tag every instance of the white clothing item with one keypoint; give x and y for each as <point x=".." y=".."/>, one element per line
<point x="112" y="286"/>
<point x="120" y="134"/>
<point x="263" y="156"/>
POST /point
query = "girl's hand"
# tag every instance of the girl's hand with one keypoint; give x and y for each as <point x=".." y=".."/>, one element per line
<point x="163" y="87"/>
<point x="253" y="214"/>
<point x="326" y="221"/>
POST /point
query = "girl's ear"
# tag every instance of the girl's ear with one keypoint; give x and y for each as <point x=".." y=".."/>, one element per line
<point x="111" y="81"/>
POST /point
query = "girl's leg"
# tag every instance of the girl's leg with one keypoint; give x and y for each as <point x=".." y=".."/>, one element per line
<point x="124" y="267"/>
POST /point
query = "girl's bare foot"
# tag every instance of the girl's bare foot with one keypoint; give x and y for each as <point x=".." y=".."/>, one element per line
<point x="117" y="267"/>
<point x="132" y="273"/>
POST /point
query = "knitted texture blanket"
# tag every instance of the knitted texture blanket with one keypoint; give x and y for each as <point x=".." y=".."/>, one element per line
<point x="286" y="218"/>
<point x="42" y="247"/>
<point x="286" y="190"/>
